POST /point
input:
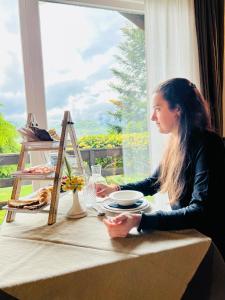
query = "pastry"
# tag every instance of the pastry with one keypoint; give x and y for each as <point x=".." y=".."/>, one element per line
<point x="54" y="134"/>
<point x="43" y="198"/>
<point x="35" y="206"/>
<point x="39" y="170"/>
<point x="22" y="203"/>
<point x="45" y="194"/>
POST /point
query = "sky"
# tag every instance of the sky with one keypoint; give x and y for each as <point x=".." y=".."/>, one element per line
<point x="78" y="48"/>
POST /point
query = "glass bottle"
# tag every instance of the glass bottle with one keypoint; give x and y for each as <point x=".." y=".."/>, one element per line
<point x="96" y="171"/>
<point x="96" y="177"/>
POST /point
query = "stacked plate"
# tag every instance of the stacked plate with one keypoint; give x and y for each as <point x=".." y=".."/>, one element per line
<point x="126" y="200"/>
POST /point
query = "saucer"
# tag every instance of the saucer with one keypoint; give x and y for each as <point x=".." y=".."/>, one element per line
<point x="112" y="206"/>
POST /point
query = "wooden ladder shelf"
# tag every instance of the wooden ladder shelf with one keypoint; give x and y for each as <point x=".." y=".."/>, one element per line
<point x="60" y="147"/>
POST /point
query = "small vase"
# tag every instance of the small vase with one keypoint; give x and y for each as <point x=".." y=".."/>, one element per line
<point x="76" y="211"/>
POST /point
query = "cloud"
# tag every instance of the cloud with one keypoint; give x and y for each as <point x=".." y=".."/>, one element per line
<point x="78" y="46"/>
<point x="91" y="104"/>
<point x="97" y="83"/>
<point x="63" y="42"/>
<point x="10" y="45"/>
<point x="57" y="94"/>
<point x="12" y="102"/>
<point x="79" y="69"/>
<point x="78" y="51"/>
<point x="18" y="119"/>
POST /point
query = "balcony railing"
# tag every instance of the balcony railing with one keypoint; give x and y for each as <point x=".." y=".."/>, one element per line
<point x="88" y="155"/>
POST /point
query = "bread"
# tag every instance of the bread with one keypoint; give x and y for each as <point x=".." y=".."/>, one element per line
<point x="39" y="170"/>
<point x="43" y="198"/>
<point x="36" y="206"/>
<point x="22" y="203"/>
<point x="45" y="194"/>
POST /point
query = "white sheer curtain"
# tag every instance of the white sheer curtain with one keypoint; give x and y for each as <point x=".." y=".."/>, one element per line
<point x="171" y="51"/>
<point x="136" y="162"/>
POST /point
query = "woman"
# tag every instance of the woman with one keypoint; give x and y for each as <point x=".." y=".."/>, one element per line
<point x="192" y="170"/>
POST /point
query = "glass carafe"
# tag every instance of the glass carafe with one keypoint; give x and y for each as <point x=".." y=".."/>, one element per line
<point x="96" y="171"/>
<point x="96" y="177"/>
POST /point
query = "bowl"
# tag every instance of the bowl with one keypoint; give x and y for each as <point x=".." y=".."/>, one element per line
<point x="126" y="197"/>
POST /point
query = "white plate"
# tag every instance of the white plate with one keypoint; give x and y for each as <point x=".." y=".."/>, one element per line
<point x="126" y="197"/>
<point x="105" y="205"/>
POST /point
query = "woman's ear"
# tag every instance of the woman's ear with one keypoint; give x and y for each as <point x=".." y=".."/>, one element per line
<point x="178" y="110"/>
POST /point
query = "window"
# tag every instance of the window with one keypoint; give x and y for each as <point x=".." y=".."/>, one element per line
<point x="94" y="66"/>
<point x="12" y="97"/>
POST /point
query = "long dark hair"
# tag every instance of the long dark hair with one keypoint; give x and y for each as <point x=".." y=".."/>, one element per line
<point x="194" y="115"/>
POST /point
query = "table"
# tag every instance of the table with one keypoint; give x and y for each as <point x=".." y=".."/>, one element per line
<point x="76" y="259"/>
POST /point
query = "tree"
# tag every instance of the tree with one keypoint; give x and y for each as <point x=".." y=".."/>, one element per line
<point x="130" y="85"/>
<point x="8" y="144"/>
<point x="131" y="115"/>
<point x="8" y="137"/>
<point x="115" y="124"/>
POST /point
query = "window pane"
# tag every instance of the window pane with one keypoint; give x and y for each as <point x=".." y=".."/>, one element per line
<point x="12" y="95"/>
<point x="94" y="66"/>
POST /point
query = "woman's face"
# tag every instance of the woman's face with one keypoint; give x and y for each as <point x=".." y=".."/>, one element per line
<point x="165" y="118"/>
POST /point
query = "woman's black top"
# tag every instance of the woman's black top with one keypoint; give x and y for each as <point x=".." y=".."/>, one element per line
<point x="202" y="203"/>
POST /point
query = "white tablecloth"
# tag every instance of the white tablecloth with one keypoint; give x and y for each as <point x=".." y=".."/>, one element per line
<point x="76" y="259"/>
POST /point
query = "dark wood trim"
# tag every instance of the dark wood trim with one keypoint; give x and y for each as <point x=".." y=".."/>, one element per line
<point x="138" y="20"/>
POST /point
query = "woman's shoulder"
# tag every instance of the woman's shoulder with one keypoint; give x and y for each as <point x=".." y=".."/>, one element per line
<point x="206" y="137"/>
<point x="212" y="139"/>
<point x="209" y="142"/>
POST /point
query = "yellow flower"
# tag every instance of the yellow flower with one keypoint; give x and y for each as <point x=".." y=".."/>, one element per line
<point x="72" y="183"/>
<point x="67" y="181"/>
<point x="80" y="180"/>
<point x="64" y="188"/>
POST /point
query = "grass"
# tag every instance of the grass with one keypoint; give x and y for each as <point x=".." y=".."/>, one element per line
<point x="5" y="194"/>
<point x="2" y="216"/>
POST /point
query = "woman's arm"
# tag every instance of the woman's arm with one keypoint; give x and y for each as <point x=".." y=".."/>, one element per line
<point x="183" y="218"/>
<point x="148" y="186"/>
<point x="194" y="214"/>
